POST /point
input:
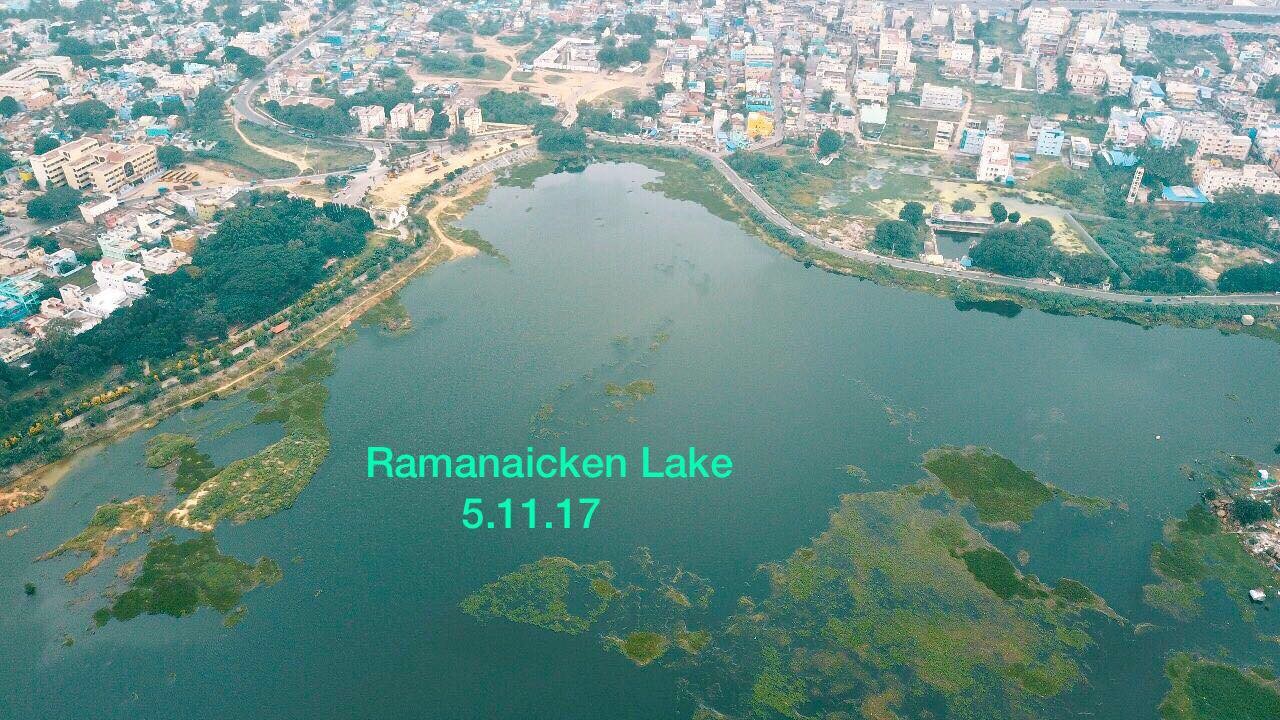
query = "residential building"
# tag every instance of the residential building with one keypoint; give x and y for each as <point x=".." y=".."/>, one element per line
<point x="1050" y="141"/>
<point x="1212" y="177"/>
<point x="995" y="164"/>
<point x="941" y="97"/>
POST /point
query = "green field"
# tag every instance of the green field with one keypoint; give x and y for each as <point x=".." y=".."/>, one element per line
<point x="322" y="156"/>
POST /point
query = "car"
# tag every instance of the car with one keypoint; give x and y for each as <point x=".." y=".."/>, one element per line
<point x="1146" y="299"/>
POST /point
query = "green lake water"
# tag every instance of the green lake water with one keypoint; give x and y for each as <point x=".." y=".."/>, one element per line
<point x="793" y="372"/>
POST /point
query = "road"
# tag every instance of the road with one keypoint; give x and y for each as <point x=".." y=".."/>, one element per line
<point x="747" y="191"/>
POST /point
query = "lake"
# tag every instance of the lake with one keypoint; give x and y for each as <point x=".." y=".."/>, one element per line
<point x="793" y="372"/>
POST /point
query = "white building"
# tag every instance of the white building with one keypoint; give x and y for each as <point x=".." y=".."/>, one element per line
<point x="401" y="116"/>
<point x="1212" y="177"/>
<point x="370" y="117"/>
<point x="941" y="97"/>
<point x="164" y="260"/>
<point x="995" y="164"/>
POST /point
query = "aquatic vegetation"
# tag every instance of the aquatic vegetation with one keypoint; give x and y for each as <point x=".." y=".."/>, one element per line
<point x="999" y="490"/>
<point x="270" y="480"/>
<point x="390" y="316"/>
<point x="135" y="515"/>
<point x="194" y="467"/>
<point x="643" y="646"/>
<point x="636" y="390"/>
<point x="991" y="568"/>
<point x="178" y="578"/>
<point x="1207" y="690"/>
<point x="692" y="641"/>
<point x="166" y="448"/>
<point x="904" y="596"/>
<point x="553" y="593"/>
<point x="1195" y="550"/>
<point x="900" y="605"/>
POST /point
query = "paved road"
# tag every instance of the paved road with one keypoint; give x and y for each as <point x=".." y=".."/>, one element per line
<point x="748" y="192"/>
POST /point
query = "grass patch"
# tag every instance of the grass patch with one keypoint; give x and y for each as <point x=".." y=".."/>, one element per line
<point x="692" y="641"/>
<point x="135" y="515"/>
<point x="1195" y="550"/>
<point x="997" y="488"/>
<point x="1207" y="690"/>
<point x="322" y="156"/>
<point x="643" y="646"/>
<point x="165" y="448"/>
<point x="991" y="568"/>
<point x="553" y="593"/>
<point x="270" y="480"/>
<point x="390" y="316"/>
<point x="232" y="150"/>
<point x="179" y="578"/>
<point x="636" y="390"/>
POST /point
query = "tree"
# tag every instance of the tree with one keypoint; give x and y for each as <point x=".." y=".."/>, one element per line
<point x="57" y="204"/>
<point x="829" y="142"/>
<point x="557" y="139"/>
<point x="1165" y="166"/>
<point x="6" y="160"/>
<point x="1017" y="251"/>
<point x="897" y="237"/>
<point x="8" y="106"/>
<point x="247" y="65"/>
<point x="912" y="212"/>
<point x="963" y="205"/>
<point x="823" y="103"/>
<point x="460" y="137"/>
<point x="1166" y="277"/>
<point x="90" y="114"/>
<point x="1248" y="511"/>
<point x="1014" y="217"/>
<point x="1253" y="277"/>
<point x="661" y="89"/>
<point x="998" y="212"/>
<point x="1182" y="247"/>
<point x="173" y="106"/>
<point x="142" y="108"/>
<point x="170" y="156"/>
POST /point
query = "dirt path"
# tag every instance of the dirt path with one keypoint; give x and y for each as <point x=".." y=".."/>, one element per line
<point x="301" y="163"/>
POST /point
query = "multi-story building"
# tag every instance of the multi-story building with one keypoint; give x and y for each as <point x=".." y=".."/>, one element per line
<point x="422" y="120"/>
<point x="941" y="97"/>
<point x="872" y="86"/>
<point x="86" y="164"/>
<point x="120" y="165"/>
<point x="50" y="168"/>
<point x="401" y="116"/>
<point x="1135" y="39"/>
<point x="471" y="120"/>
<point x="995" y="164"/>
<point x="1050" y="140"/>
<point x="370" y="117"/>
<point x="33" y="76"/>
<point x="1221" y="142"/>
<point x="1211" y="177"/>
<point x="164" y="260"/>
<point x="894" y="49"/>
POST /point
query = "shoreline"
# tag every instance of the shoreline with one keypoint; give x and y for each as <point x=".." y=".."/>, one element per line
<point x="436" y="212"/>
<point x="1200" y="315"/>
<point x="31" y="486"/>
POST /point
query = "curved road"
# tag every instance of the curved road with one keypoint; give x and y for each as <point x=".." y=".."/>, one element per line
<point x="242" y="104"/>
<point x="748" y="192"/>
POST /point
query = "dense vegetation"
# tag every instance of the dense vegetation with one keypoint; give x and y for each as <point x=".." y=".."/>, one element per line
<point x="897" y="237"/>
<point x="518" y="108"/>
<point x="179" y="578"/>
<point x="1027" y="250"/>
<point x="1253" y="277"/>
<point x="263" y="257"/>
